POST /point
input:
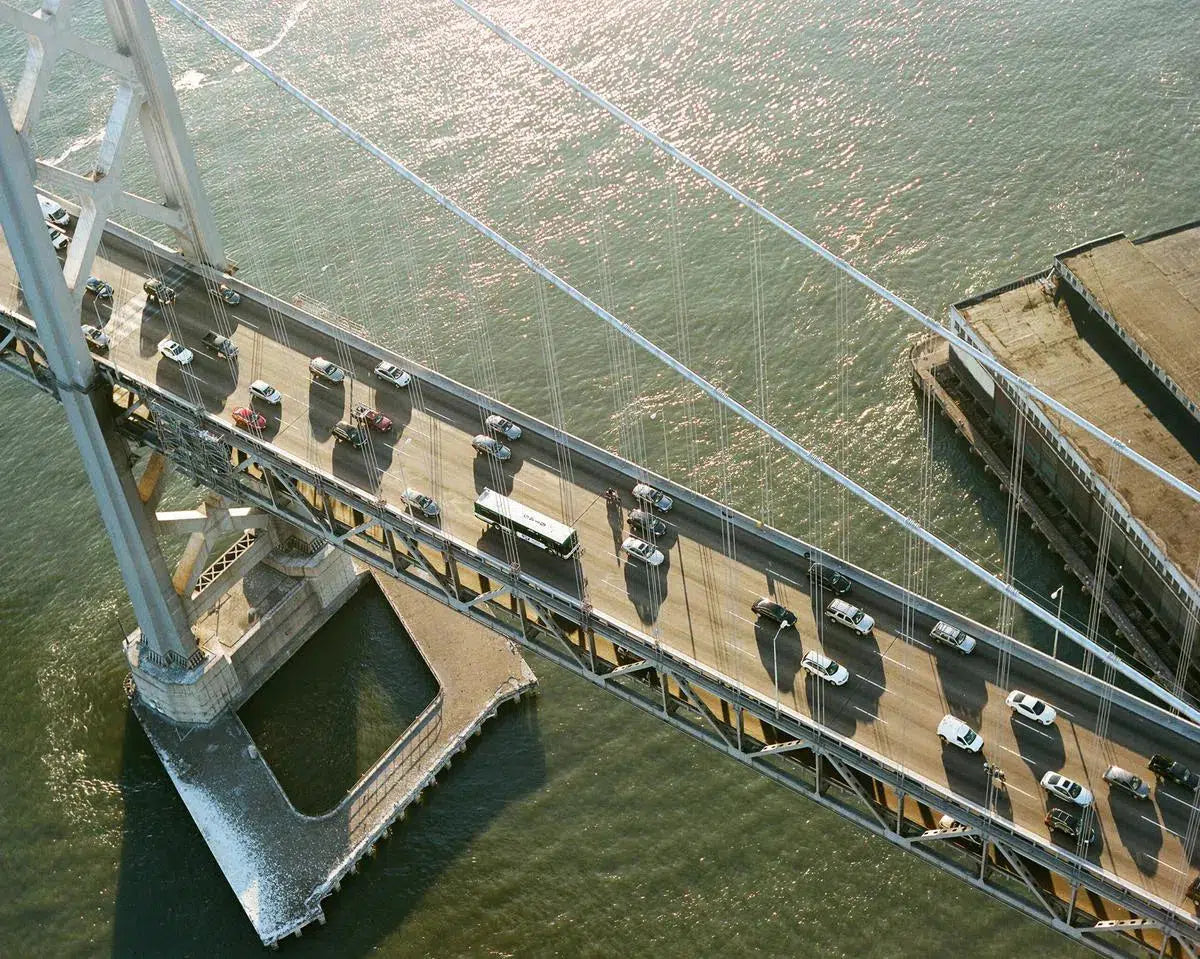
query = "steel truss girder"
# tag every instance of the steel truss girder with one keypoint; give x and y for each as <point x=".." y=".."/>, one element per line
<point x="692" y="678"/>
<point x="144" y="95"/>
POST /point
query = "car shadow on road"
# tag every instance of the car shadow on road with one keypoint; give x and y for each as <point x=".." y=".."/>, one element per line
<point x="491" y="474"/>
<point x="829" y="707"/>
<point x="326" y="406"/>
<point x="646" y="587"/>
<point x="779" y="651"/>
<point x="273" y="414"/>
<point x="964" y="773"/>
<point x="1175" y="806"/>
<point x="220" y="378"/>
<point x="1041" y="747"/>
<point x="1141" y="837"/>
<point x="392" y="403"/>
<point x="965" y="690"/>
<point x="615" y="514"/>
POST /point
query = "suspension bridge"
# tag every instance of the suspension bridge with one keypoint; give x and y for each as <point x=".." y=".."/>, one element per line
<point x="675" y="637"/>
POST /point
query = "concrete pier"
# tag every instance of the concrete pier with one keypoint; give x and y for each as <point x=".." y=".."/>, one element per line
<point x="280" y="863"/>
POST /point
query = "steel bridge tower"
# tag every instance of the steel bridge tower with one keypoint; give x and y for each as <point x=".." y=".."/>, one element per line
<point x="144" y="95"/>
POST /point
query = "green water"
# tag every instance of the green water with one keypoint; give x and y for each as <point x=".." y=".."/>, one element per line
<point x="944" y="147"/>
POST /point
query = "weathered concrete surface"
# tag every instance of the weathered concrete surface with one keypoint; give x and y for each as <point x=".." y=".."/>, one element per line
<point x="280" y="863"/>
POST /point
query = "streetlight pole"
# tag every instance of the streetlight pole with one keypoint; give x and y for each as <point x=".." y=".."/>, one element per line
<point x="1057" y="594"/>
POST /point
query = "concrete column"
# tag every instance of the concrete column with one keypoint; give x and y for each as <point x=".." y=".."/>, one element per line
<point x="104" y="454"/>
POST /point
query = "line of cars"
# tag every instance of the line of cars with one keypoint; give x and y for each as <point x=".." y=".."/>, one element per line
<point x="953" y="731"/>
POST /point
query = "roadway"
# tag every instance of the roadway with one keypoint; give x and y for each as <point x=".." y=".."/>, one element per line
<point x="698" y="602"/>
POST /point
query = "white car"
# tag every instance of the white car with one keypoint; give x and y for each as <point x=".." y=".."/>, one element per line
<point x="262" y="390"/>
<point x="1068" y="789"/>
<point x="96" y="337"/>
<point x="420" y="503"/>
<point x="645" y="493"/>
<point x="951" y="730"/>
<point x="175" y="352"/>
<point x="504" y="426"/>
<point x="1031" y="707"/>
<point x="640" y="550"/>
<point x="52" y="212"/>
<point x="392" y="374"/>
<point x="839" y="611"/>
<point x="825" y="668"/>
<point x="58" y="239"/>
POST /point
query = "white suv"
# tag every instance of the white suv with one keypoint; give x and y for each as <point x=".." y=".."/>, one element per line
<point x="839" y="611"/>
<point x="951" y="730"/>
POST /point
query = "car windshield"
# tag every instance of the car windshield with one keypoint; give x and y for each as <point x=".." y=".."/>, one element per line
<point x="968" y="737"/>
<point x="1036" y="706"/>
<point x="1074" y="789"/>
<point x="858" y="615"/>
<point x="830" y="668"/>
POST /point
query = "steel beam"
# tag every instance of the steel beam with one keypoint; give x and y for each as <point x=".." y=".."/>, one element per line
<point x="89" y="411"/>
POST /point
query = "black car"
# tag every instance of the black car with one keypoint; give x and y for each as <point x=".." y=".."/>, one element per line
<point x="1059" y="820"/>
<point x="829" y="579"/>
<point x="769" y="609"/>
<point x="346" y="433"/>
<point x="646" y="524"/>
<point x="1164" y="767"/>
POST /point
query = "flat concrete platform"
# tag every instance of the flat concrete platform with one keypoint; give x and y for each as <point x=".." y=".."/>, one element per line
<point x="1035" y="336"/>
<point x="1151" y="288"/>
<point x="281" y="863"/>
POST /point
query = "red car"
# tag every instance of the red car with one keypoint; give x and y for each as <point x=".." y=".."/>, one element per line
<point x="248" y="419"/>
<point x="373" y="418"/>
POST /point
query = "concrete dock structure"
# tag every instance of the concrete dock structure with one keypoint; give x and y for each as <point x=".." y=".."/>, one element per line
<point x="281" y="863"/>
<point x="1113" y="331"/>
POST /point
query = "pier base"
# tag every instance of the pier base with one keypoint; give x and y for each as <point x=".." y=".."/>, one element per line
<point x="281" y="863"/>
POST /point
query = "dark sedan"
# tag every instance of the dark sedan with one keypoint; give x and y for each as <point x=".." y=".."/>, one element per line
<point x="769" y="609"/>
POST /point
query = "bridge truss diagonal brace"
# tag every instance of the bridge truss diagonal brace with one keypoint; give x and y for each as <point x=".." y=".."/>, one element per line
<point x="546" y="619"/>
<point x="852" y="783"/>
<point x="1018" y="867"/>
<point x="717" y="394"/>
<point x="701" y="707"/>
<point x="413" y="551"/>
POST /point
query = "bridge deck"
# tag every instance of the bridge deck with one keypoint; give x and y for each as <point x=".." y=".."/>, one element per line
<point x="698" y="604"/>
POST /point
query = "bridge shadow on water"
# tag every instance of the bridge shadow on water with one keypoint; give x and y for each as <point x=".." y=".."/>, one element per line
<point x="320" y="722"/>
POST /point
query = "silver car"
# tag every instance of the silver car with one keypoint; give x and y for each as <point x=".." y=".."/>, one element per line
<point x="1124" y="779"/>
<point x="391" y="373"/>
<point x="642" y="551"/>
<point x="503" y="426"/>
<point x="262" y="390"/>
<point x="486" y="446"/>
<point x="645" y="493"/>
<point x="420" y="503"/>
<point x="323" y="369"/>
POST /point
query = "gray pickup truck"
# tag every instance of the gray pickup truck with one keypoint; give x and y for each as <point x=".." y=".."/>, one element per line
<point x="220" y="344"/>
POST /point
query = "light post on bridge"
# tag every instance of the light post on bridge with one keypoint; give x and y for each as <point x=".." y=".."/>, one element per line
<point x="1057" y="594"/>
